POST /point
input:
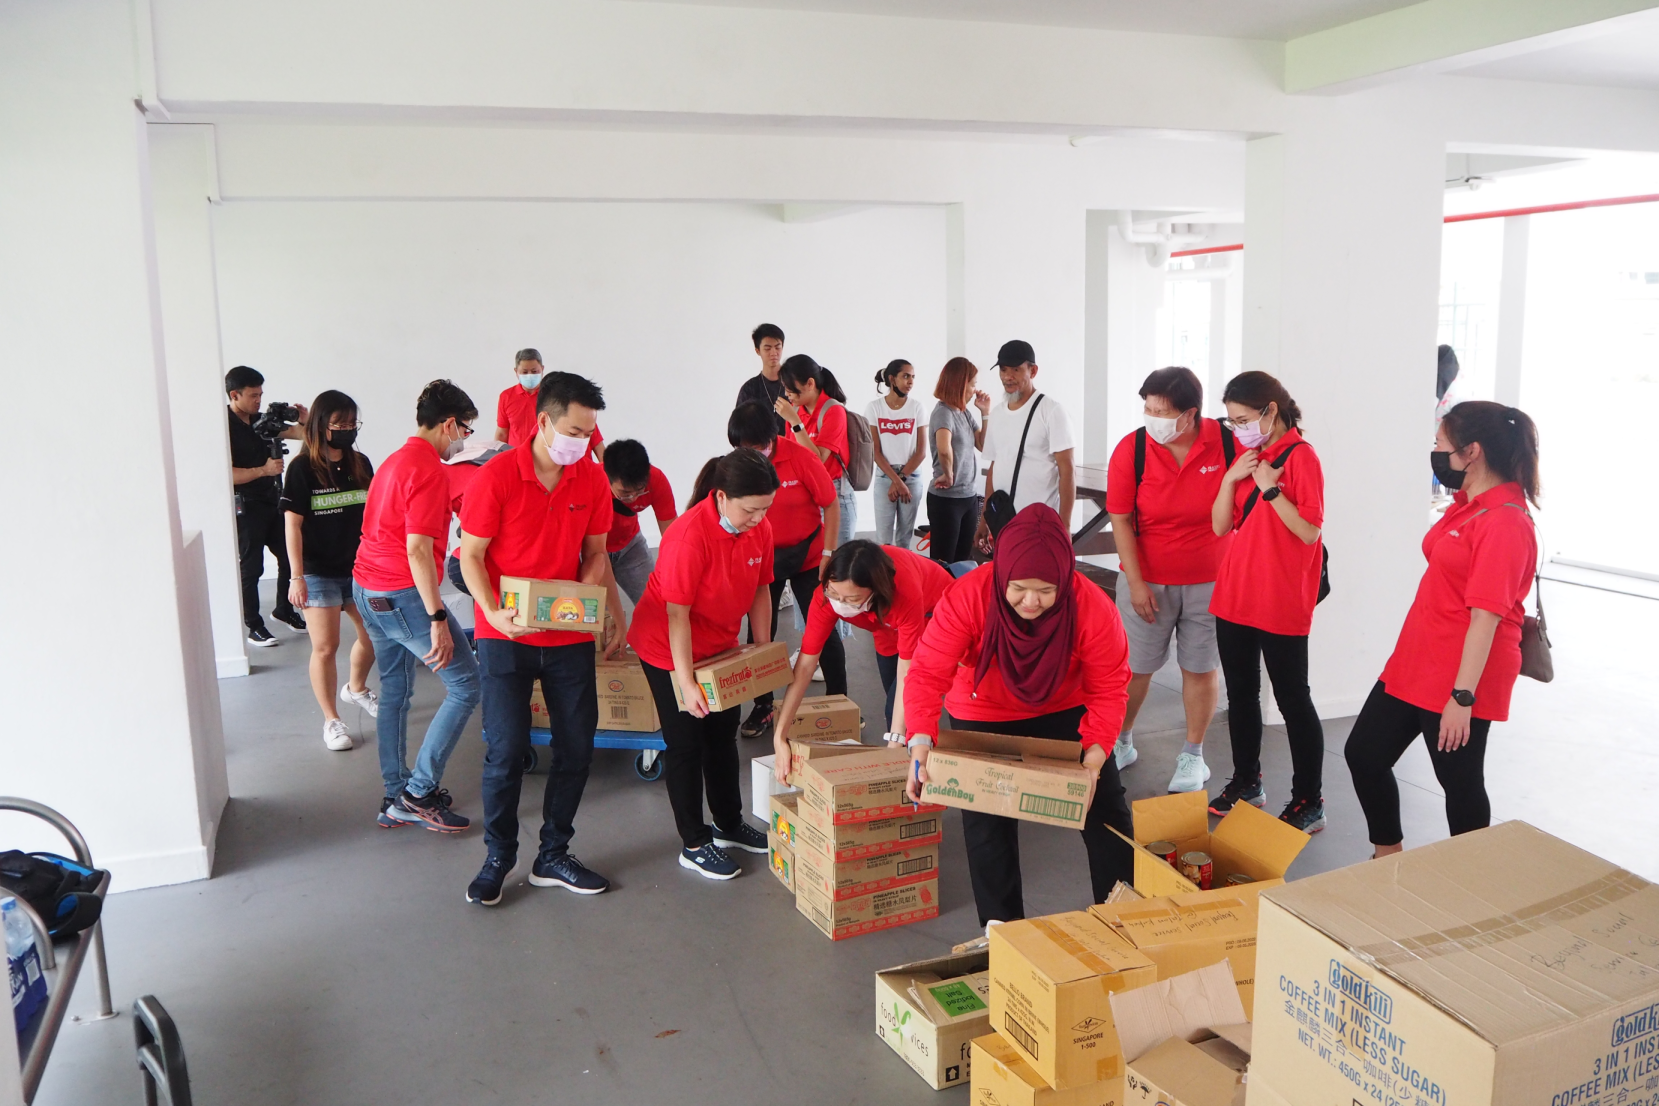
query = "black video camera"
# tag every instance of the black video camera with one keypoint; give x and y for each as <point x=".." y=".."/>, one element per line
<point x="277" y="418"/>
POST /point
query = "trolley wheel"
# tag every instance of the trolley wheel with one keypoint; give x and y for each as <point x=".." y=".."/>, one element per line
<point x="535" y="760"/>
<point x="648" y="765"/>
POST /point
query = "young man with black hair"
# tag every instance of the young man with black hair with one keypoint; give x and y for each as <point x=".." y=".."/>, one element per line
<point x="635" y="485"/>
<point x="541" y="510"/>
<point x="395" y="587"/>
<point x="764" y="387"/>
<point x="257" y="477"/>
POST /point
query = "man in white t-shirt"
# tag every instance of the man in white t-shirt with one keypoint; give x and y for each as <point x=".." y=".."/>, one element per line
<point x="899" y="432"/>
<point x="1045" y="473"/>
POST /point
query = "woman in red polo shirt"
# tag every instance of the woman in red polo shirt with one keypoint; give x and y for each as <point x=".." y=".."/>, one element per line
<point x="1460" y="648"/>
<point x="713" y="568"/>
<point x="814" y="406"/>
<point x="886" y="590"/>
<point x="1273" y="500"/>
<point x="1027" y="646"/>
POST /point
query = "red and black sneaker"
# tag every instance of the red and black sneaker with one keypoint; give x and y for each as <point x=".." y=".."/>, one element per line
<point x="1239" y="791"/>
<point x="433" y="810"/>
<point x="1307" y="815"/>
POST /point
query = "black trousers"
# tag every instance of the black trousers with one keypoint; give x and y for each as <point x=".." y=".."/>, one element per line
<point x="1243" y="649"/>
<point x="888" y="668"/>
<point x="994" y="842"/>
<point x="951" y="524"/>
<point x="1384" y="730"/>
<point x="833" y="660"/>
<point x="258" y="528"/>
<point x="701" y="759"/>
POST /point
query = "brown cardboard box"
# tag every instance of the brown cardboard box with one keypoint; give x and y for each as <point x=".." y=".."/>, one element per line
<point x="801" y="751"/>
<point x="826" y="718"/>
<point x="625" y="701"/>
<point x="739" y="675"/>
<point x="816" y="831"/>
<point x="1500" y="966"/>
<point x="782" y="860"/>
<point x="1247" y="841"/>
<point x="855" y="787"/>
<point x="1001" y="1077"/>
<point x="848" y="879"/>
<point x="784" y="816"/>
<point x="1182" y="933"/>
<point x="897" y="906"/>
<point x="1051" y="982"/>
<point x="1176" y="1073"/>
<point x="1187" y="1040"/>
<point x="933" y="1035"/>
<point x="554" y="604"/>
<point x="1032" y="778"/>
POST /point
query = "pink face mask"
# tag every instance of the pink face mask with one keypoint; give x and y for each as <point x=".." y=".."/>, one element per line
<point x="1251" y="435"/>
<point x="564" y="449"/>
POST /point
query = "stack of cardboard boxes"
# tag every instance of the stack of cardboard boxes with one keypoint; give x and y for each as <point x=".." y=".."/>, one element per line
<point x="625" y="701"/>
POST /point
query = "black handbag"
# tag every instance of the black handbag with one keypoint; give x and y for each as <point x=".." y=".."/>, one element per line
<point x="789" y="559"/>
<point x="999" y="509"/>
<point x="61" y="891"/>
<point x="1324" y="549"/>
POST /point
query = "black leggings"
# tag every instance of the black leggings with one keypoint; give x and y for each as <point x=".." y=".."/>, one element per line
<point x="701" y="758"/>
<point x="951" y="523"/>
<point x="1384" y="730"/>
<point x="833" y="660"/>
<point x="994" y="841"/>
<point x="1243" y="648"/>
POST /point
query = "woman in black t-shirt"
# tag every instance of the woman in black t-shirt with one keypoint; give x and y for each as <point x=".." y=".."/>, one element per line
<point x="323" y="496"/>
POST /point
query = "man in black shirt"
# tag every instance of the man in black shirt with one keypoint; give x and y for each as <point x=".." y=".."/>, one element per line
<point x="765" y="388"/>
<point x="257" y="479"/>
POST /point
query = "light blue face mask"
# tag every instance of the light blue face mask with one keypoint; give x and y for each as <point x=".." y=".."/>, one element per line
<point x="530" y="381"/>
<point x="726" y="525"/>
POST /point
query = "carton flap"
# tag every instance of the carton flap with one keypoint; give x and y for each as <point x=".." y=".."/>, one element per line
<point x="1189" y="1076"/>
<point x="1259" y="835"/>
<point x="861" y="767"/>
<point x="1240" y="1036"/>
<point x="1173" y="817"/>
<point x="1185" y="1007"/>
<point x="995" y="744"/>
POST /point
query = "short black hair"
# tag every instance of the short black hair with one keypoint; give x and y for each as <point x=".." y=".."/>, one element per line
<point x="752" y="424"/>
<point x="441" y="401"/>
<point x="559" y="390"/>
<point x="766" y="330"/>
<point x="1177" y="384"/>
<point x="243" y="377"/>
<point x="527" y="354"/>
<point x="627" y="463"/>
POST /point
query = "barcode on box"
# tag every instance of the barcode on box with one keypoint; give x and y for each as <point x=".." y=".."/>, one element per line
<point x="1019" y="1033"/>
<point x="819" y="918"/>
<point x="911" y="867"/>
<point x="919" y="829"/>
<point x="619" y="712"/>
<point x="1045" y="807"/>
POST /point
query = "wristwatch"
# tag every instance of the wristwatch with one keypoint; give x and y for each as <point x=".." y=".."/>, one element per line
<point x="1463" y="698"/>
<point x="440" y="615"/>
<point x="1270" y="494"/>
<point x="797" y="428"/>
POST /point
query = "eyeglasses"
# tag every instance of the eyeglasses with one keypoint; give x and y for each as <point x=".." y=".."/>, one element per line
<point x="466" y="431"/>
<point x="355" y="425"/>
<point x="1240" y="424"/>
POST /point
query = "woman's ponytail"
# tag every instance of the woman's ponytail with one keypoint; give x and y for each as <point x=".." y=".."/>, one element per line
<point x="1258" y="389"/>
<point x="1508" y="438"/>
<point x="885" y="376"/>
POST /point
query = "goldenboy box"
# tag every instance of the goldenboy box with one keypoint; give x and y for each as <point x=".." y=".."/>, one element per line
<point x="554" y="604"/>
<point x="739" y="675"/>
<point x="1034" y="779"/>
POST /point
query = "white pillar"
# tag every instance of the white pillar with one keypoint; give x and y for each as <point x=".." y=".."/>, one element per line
<point x="1512" y="310"/>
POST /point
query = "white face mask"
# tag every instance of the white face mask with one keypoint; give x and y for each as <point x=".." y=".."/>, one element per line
<point x="529" y="381"/>
<point x="564" y="449"/>
<point x="847" y="610"/>
<point x="452" y="448"/>
<point x="1161" y="430"/>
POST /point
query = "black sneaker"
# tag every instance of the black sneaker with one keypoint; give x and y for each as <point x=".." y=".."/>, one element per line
<point x="262" y="637"/>
<point x="1307" y="815"/>
<point x="485" y="888"/>
<point x="567" y="872"/>
<point x="711" y="861"/>
<point x="393" y="816"/>
<point x="742" y="836"/>
<point x="432" y="810"/>
<point x="757" y="722"/>
<point x="1239" y="791"/>
<point x="294" y="620"/>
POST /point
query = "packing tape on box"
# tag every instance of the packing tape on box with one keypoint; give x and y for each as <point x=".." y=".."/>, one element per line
<point x="1073" y="946"/>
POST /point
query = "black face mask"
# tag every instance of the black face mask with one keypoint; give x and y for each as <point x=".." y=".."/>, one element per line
<point x="342" y="439"/>
<point x="1449" y="477"/>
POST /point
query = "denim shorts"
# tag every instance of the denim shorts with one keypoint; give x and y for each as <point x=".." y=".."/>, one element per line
<point x="327" y="591"/>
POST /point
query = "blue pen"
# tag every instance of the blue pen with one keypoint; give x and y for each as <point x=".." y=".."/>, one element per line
<point x="916" y="774"/>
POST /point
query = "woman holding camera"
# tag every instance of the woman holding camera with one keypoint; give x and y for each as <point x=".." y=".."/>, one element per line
<point x="322" y="498"/>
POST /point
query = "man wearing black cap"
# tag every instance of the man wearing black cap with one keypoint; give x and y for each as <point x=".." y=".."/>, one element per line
<point x="1045" y="467"/>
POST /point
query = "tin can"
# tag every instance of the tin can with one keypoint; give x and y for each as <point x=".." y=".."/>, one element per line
<point x="1198" y="867"/>
<point x="1239" y="877"/>
<point x="1165" y="851"/>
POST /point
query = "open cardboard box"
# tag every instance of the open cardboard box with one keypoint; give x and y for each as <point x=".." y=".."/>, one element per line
<point x="1182" y="933"/>
<point x="1247" y="841"/>
<point x="1187" y="1041"/>
<point x="1035" y="779"/>
<point x="928" y="1012"/>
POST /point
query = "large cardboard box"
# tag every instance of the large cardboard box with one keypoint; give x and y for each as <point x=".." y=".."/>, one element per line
<point x="855" y="787"/>
<point x="1182" y="933"/>
<point x="1051" y="984"/>
<point x="1187" y="1040"/>
<point x="739" y="675"/>
<point x="839" y="919"/>
<point x="933" y="1034"/>
<point x="1502" y="966"/>
<point x="848" y="879"/>
<point x="802" y="750"/>
<point x="1001" y="1077"/>
<point x="625" y="701"/>
<point x="1247" y="841"/>
<point x="1032" y="778"/>
<point x="554" y="604"/>
<point x="826" y="718"/>
<point x="781" y="859"/>
<point x="816" y="832"/>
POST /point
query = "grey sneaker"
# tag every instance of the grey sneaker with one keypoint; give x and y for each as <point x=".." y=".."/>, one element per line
<point x="1124" y="752"/>
<point x="1191" y="773"/>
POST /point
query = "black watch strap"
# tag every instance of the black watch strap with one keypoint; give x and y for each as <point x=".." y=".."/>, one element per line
<point x="1463" y="698"/>
<point x="1271" y="494"/>
<point x="440" y="615"/>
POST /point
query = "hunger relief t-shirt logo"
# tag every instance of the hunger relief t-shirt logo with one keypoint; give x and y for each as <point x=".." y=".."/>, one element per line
<point x="1206" y="469"/>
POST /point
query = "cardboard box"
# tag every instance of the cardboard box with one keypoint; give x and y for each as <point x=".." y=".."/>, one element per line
<point x="843" y="918"/>
<point x="1178" y="1073"/>
<point x="1247" y="841"/>
<point x="1051" y="982"/>
<point x="739" y="675"/>
<point x="781" y="809"/>
<point x="847" y="879"/>
<point x="1182" y="933"/>
<point x="625" y="701"/>
<point x="826" y="718"/>
<point x="763" y="784"/>
<point x="1500" y="966"/>
<point x="1187" y="1041"/>
<point x="909" y="1002"/>
<point x="801" y="751"/>
<point x="554" y="604"/>
<point x="855" y="787"/>
<point x="782" y="860"/>
<point x="1001" y="1077"/>
<point x="1031" y="778"/>
<point x="816" y="832"/>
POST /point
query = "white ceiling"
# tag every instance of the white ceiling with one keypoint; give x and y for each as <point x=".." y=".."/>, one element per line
<point x="1626" y="56"/>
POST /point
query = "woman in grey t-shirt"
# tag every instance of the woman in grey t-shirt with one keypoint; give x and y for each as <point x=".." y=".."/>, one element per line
<point x="952" y="499"/>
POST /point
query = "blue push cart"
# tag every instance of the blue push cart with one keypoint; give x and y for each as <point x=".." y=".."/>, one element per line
<point x="648" y="747"/>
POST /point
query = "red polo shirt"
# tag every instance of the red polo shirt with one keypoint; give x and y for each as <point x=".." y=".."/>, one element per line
<point x="716" y="574"/>
<point x="1172" y="506"/>
<point x="625" y="524"/>
<point x="409" y="495"/>
<point x="804" y="490"/>
<point x="917" y="585"/>
<point x="1269" y="577"/>
<point x="515" y="410"/>
<point x="1097" y="677"/>
<point x="826" y="425"/>
<point x="1481" y="554"/>
<point x="535" y="532"/>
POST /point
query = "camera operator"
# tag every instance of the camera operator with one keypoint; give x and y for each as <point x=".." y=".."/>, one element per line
<point x="256" y="451"/>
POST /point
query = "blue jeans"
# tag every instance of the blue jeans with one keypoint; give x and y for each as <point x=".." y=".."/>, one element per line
<point x="896" y="520"/>
<point x="849" y="509"/>
<point x="401" y="637"/>
<point x="511" y="670"/>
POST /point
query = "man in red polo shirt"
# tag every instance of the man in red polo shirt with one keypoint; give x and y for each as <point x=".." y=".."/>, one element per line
<point x="515" y="408"/>
<point x="543" y="511"/>
<point x="635" y="485"/>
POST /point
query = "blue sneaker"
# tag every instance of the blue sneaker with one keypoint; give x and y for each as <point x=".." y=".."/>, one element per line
<point x="485" y="888"/>
<point x="1239" y="791"/>
<point x="710" y="861"/>
<point x="567" y="872"/>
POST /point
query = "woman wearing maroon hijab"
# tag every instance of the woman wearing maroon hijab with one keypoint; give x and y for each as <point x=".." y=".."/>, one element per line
<point x="1027" y="646"/>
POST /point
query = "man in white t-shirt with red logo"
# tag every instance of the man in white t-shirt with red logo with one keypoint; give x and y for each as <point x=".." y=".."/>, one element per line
<point x="896" y="425"/>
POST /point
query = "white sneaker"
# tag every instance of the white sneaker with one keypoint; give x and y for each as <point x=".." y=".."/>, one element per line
<point x="817" y="673"/>
<point x="336" y="736"/>
<point x="1124" y="752"/>
<point x="367" y="699"/>
<point x="1190" y="773"/>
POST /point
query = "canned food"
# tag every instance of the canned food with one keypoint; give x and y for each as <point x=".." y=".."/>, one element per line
<point x="1239" y="877"/>
<point x="1198" y="867"/>
<point x="1165" y="851"/>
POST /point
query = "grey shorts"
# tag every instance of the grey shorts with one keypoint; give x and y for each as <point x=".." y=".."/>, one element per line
<point x="632" y="566"/>
<point x="1184" y="614"/>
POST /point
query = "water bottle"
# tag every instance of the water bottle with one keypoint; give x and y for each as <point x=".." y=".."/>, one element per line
<point x="28" y="980"/>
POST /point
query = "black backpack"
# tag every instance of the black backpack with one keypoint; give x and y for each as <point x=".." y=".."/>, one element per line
<point x="1229" y="448"/>
<point x="61" y="891"/>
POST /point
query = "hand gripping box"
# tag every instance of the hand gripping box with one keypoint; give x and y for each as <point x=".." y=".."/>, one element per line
<point x="826" y="718"/>
<point x="1051" y="985"/>
<point x="554" y="604"/>
<point x="625" y="701"/>
<point x="928" y="1012"/>
<point x="1246" y="842"/>
<point x="1182" y="933"/>
<point x="854" y="787"/>
<point x="839" y="919"/>
<point x="1035" y="779"/>
<point x="739" y="675"/>
<point x="1502" y="966"/>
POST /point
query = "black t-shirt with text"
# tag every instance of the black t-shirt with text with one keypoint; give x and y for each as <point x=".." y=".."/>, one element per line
<point x="249" y="451"/>
<point x="331" y="506"/>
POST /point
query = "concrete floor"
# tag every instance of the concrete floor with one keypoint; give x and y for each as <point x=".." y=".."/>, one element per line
<point x="330" y="962"/>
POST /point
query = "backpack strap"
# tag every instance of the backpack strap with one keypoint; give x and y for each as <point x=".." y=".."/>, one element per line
<point x="1019" y="458"/>
<point x="1255" y="494"/>
<point x="1229" y="445"/>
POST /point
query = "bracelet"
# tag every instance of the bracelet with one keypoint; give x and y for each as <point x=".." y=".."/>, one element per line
<point x="827" y="553"/>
